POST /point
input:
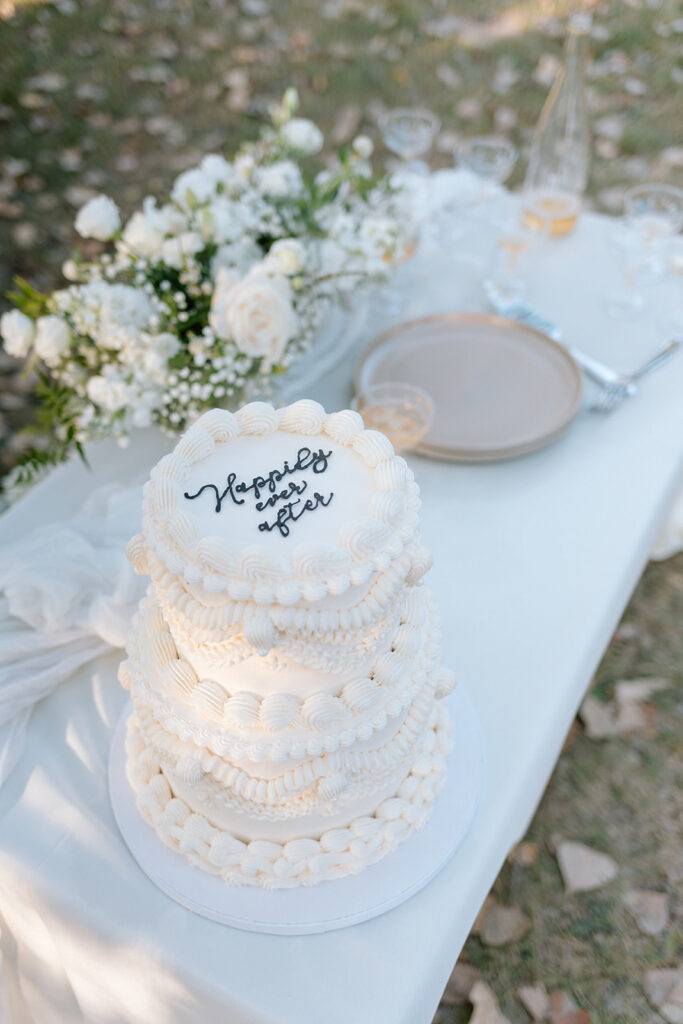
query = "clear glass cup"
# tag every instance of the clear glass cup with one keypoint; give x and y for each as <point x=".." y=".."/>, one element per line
<point x="401" y="411"/>
<point x="625" y="299"/>
<point x="509" y="272"/>
<point x="409" y="133"/>
<point x="655" y="212"/>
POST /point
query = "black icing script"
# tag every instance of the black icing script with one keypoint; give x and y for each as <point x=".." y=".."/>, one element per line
<point x="267" y="491"/>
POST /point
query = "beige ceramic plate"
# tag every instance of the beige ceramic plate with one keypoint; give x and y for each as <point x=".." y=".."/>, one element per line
<point x="499" y="389"/>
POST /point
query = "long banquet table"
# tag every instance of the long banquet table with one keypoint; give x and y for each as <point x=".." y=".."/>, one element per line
<point x="535" y="560"/>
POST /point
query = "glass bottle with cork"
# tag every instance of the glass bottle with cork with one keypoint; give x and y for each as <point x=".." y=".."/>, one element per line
<point x="560" y="153"/>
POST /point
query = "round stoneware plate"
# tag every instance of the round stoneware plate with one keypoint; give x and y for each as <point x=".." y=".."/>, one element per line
<point x="500" y="389"/>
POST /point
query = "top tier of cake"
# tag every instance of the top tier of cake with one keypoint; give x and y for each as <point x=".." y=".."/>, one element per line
<point x="278" y="506"/>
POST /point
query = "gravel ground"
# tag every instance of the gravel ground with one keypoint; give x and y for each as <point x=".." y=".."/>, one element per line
<point x="118" y="96"/>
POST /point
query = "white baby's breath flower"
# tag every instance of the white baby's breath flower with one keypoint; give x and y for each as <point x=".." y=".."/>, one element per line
<point x="53" y="338"/>
<point x="260" y="316"/>
<point x="244" y="165"/>
<point x="143" y="411"/>
<point x="225" y="220"/>
<point x="303" y="136"/>
<point x="18" y="332"/>
<point x="166" y="344"/>
<point x="286" y="256"/>
<point x="124" y="305"/>
<point x="363" y="147"/>
<point x="238" y="255"/>
<point x="99" y="218"/>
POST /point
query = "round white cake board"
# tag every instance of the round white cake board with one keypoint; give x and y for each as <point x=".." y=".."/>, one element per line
<point x="328" y="905"/>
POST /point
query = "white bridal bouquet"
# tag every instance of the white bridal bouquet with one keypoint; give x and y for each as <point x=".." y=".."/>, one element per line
<point x="201" y="300"/>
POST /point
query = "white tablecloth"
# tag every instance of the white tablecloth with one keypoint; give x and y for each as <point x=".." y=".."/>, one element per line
<point x="534" y="562"/>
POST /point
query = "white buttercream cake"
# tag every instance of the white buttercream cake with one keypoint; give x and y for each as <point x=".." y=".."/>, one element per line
<point x="285" y="667"/>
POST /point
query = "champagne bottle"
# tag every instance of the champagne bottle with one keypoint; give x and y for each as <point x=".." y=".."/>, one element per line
<point x="560" y="152"/>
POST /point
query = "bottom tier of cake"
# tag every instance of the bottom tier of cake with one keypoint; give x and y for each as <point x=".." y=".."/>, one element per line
<point x="335" y="853"/>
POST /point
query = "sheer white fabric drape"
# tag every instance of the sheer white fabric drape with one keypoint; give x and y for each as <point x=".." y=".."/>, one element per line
<point x="67" y="594"/>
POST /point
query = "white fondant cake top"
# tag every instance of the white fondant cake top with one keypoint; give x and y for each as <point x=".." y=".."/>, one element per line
<point x="278" y="505"/>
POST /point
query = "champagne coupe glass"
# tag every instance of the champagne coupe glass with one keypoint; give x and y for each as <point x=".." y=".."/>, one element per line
<point x="401" y="411"/>
<point x="409" y="132"/>
<point x="491" y="158"/>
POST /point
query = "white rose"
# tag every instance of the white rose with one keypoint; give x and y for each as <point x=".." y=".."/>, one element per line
<point x="279" y="179"/>
<point x="217" y="168"/>
<point x="53" y="338"/>
<point x="260" y="317"/>
<point x="142" y="236"/>
<point x="286" y="256"/>
<point x="363" y="147"/>
<point x="109" y="394"/>
<point x="193" y="187"/>
<point x="302" y="136"/>
<point x="226" y="279"/>
<point x="99" y="218"/>
<point x="175" y="251"/>
<point x="18" y="332"/>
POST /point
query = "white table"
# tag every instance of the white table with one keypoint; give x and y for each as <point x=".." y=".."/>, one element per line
<point x="534" y="562"/>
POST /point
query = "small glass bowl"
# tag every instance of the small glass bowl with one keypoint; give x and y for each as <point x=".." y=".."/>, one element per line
<point x="401" y="411"/>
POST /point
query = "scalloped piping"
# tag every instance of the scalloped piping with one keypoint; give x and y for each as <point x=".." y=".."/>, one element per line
<point x="196" y="763"/>
<point x="337" y="852"/>
<point x="232" y="614"/>
<point x="238" y="716"/>
<point x="319" y="786"/>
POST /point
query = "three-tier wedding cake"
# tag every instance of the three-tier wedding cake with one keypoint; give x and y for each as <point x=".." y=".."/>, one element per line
<point x="285" y="668"/>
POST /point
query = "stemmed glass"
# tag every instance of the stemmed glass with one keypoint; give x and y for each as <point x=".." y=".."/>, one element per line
<point x="491" y="158"/>
<point x="653" y="214"/>
<point x="409" y="133"/>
